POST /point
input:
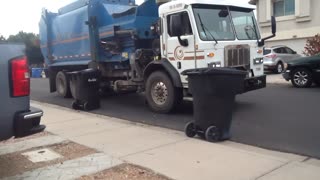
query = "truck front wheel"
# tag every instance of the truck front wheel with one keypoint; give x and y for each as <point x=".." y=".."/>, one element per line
<point x="62" y="85"/>
<point x="161" y="95"/>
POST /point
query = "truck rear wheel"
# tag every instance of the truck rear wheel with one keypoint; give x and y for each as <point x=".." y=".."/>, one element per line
<point x="62" y="85"/>
<point x="161" y="95"/>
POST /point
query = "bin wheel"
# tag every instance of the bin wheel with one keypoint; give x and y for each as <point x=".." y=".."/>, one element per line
<point x="86" y="106"/>
<point x="75" y="106"/>
<point x="212" y="134"/>
<point x="190" y="129"/>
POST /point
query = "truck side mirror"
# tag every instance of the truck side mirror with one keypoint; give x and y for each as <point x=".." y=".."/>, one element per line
<point x="273" y="25"/>
<point x="176" y="28"/>
<point x="273" y="29"/>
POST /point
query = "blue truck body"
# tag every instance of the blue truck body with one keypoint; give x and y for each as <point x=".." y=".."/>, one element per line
<point x="73" y="37"/>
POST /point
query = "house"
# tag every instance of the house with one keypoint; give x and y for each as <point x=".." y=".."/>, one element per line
<point x="297" y="20"/>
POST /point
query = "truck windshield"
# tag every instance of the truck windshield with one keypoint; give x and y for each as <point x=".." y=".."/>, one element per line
<point x="222" y="23"/>
<point x="244" y="23"/>
<point x="216" y="24"/>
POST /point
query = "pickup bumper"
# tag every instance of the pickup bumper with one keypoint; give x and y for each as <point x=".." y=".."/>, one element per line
<point x="28" y="123"/>
<point x="254" y="83"/>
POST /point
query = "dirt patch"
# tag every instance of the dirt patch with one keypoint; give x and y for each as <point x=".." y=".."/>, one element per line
<point x="15" y="163"/>
<point x="125" y="172"/>
<point x="14" y="140"/>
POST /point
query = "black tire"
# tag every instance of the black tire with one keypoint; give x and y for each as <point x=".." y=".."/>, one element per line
<point x="179" y="92"/>
<point x="301" y="78"/>
<point x="75" y="106"/>
<point x="279" y="68"/>
<point x="212" y="134"/>
<point x="190" y="129"/>
<point x="62" y="85"/>
<point x="161" y="95"/>
<point x="86" y="106"/>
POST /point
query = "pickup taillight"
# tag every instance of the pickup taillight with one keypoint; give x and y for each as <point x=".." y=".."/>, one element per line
<point x="20" y="78"/>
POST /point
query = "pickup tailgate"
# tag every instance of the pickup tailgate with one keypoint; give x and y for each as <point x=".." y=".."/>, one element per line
<point x="9" y="105"/>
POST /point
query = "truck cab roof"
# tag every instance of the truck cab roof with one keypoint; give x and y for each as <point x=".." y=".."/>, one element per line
<point x="180" y="4"/>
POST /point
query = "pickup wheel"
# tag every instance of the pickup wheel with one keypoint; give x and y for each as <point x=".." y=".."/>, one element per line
<point x="301" y="78"/>
<point x="161" y="95"/>
<point x="62" y="85"/>
<point x="279" y="68"/>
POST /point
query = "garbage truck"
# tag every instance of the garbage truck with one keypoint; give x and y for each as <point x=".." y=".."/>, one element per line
<point x="144" y="48"/>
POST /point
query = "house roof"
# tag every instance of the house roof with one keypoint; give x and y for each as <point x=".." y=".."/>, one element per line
<point x="253" y="2"/>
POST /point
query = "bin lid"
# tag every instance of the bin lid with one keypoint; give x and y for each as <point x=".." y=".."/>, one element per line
<point x="214" y="71"/>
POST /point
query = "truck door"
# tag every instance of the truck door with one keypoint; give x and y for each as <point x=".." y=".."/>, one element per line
<point x="181" y="57"/>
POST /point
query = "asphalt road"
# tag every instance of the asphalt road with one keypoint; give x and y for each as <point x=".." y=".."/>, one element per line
<point x="278" y="117"/>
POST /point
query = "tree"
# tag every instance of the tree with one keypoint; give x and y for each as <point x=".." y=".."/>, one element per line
<point x="2" y="38"/>
<point x="313" y="46"/>
<point x="31" y="41"/>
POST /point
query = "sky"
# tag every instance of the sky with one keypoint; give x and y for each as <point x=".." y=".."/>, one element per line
<point x="24" y="15"/>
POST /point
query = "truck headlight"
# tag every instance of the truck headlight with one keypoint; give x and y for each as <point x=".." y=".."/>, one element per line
<point x="258" y="60"/>
<point x="214" y="64"/>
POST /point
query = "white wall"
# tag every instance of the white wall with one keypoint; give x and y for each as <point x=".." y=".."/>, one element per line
<point x="293" y="30"/>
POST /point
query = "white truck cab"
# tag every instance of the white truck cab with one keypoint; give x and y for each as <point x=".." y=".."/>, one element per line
<point x="215" y="33"/>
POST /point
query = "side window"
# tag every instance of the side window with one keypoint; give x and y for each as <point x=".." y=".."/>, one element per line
<point x="284" y="50"/>
<point x="283" y="7"/>
<point x="278" y="50"/>
<point x="281" y="51"/>
<point x="289" y="51"/>
<point x="187" y="30"/>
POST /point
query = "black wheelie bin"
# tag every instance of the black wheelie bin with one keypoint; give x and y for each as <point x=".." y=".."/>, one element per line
<point x="85" y="86"/>
<point x="213" y="91"/>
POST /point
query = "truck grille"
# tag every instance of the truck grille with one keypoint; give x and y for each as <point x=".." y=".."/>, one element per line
<point x="237" y="55"/>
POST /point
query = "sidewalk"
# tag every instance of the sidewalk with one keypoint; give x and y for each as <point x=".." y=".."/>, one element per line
<point x="171" y="153"/>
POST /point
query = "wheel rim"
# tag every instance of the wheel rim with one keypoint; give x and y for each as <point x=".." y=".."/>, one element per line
<point x="279" y="68"/>
<point x="159" y="93"/>
<point x="300" y="78"/>
<point x="212" y="134"/>
<point x="190" y="128"/>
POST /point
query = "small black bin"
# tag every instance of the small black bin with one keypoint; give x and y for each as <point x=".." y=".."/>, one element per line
<point x="213" y="91"/>
<point x="86" y="89"/>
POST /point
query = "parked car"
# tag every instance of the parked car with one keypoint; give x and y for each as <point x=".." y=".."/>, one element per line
<point x="276" y="57"/>
<point x="303" y="71"/>
<point x="17" y="118"/>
